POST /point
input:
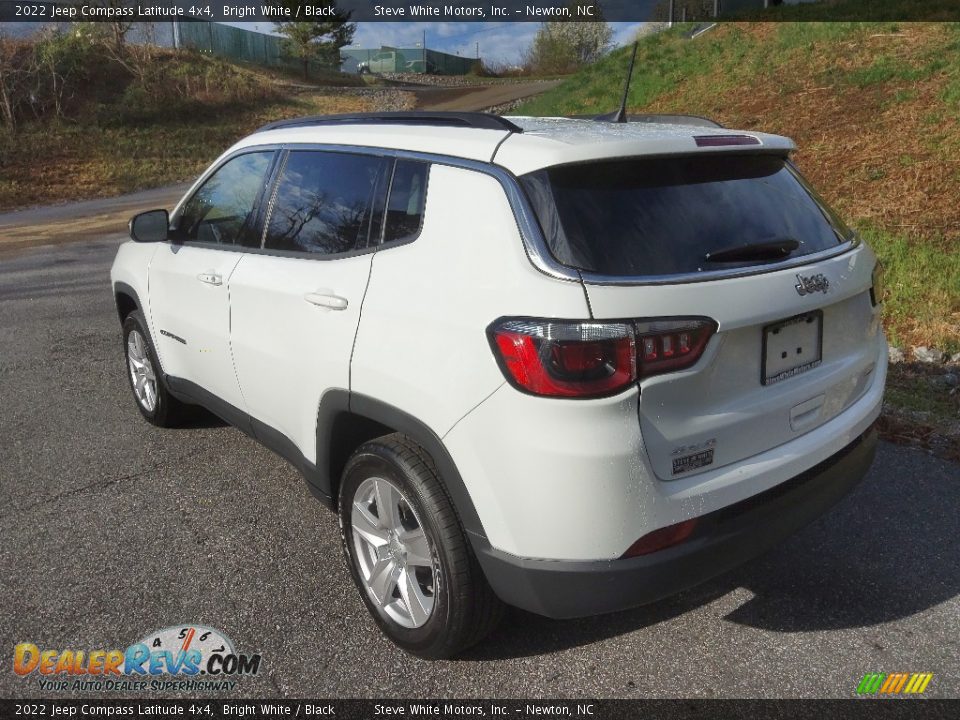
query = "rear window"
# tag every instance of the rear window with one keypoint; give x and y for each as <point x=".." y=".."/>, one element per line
<point x="662" y="216"/>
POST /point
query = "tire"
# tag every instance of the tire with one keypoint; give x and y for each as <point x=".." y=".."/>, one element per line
<point x="439" y="602"/>
<point x="157" y="406"/>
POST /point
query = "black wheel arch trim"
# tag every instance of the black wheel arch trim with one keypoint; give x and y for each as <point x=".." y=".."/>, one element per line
<point x="122" y="288"/>
<point x="337" y="403"/>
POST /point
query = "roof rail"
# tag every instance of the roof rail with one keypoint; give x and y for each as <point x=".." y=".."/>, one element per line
<point x="478" y="120"/>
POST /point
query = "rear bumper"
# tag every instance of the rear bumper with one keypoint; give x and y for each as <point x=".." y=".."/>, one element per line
<point x="723" y="539"/>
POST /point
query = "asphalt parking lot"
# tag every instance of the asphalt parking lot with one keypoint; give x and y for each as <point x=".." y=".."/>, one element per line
<point x="112" y="528"/>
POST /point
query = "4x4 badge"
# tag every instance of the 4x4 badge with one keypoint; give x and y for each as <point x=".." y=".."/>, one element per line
<point x="812" y="284"/>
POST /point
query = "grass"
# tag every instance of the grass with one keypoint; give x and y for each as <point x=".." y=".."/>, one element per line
<point x="922" y="280"/>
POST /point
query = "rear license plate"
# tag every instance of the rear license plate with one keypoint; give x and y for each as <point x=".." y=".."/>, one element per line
<point x="791" y="347"/>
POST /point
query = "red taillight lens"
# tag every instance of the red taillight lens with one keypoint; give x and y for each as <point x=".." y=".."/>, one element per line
<point x="593" y="359"/>
<point x="667" y="345"/>
<point x="566" y="359"/>
<point x="662" y="538"/>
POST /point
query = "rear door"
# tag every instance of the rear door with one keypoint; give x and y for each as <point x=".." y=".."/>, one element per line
<point x="188" y="276"/>
<point x="735" y="251"/>
<point x="296" y="304"/>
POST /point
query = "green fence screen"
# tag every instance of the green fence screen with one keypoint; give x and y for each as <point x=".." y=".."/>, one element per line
<point x="260" y="49"/>
<point x="238" y="44"/>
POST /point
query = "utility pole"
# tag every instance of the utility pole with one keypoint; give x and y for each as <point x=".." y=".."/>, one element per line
<point x="478" y="50"/>
<point x="716" y="8"/>
<point x="424" y="46"/>
<point x="670" y="21"/>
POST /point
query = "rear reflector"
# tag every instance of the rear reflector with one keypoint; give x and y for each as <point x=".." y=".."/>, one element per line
<point x="662" y="538"/>
<point x="723" y="140"/>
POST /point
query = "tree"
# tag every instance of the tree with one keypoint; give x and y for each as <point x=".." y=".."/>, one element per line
<point x="113" y="34"/>
<point x="563" y="46"/>
<point x="318" y="41"/>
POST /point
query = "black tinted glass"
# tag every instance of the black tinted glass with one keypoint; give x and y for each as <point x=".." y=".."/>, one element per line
<point x="663" y="216"/>
<point x="324" y="202"/>
<point x="223" y="210"/>
<point x="408" y="195"/>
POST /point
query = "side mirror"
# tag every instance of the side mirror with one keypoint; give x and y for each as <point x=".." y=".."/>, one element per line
<point x="150" y="226"/>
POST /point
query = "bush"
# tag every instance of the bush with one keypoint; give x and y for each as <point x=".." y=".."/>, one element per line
<point x="82" y="73"/>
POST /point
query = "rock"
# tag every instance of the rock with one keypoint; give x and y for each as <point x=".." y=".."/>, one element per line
<point x="955" y="359"/>
<point x="951" y="379"/>
<point x="927" y="355"/>
<point x="896" y="355"/>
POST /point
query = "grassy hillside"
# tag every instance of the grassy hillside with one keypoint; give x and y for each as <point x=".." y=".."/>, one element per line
<point x="874" y="109"/>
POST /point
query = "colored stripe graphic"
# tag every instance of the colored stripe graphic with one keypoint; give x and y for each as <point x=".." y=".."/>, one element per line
<point x="894" y="683"/>
<point x="871" y="683"/>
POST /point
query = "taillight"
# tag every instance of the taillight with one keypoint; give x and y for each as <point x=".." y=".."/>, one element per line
<point x="667" y="345"/>
<point x="566" y="359"/>
<point x="662" y="539"/>
<point x="593" y="359"/>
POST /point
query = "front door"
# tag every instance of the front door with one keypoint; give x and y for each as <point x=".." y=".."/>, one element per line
<point x="189" y="276"/>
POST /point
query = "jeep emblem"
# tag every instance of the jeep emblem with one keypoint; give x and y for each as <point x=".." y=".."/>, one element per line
<point x="812" y="284"/>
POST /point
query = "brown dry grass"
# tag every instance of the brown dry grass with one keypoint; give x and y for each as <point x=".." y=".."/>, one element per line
<point x="857" y="144"/>
<point x="82" y="161"/>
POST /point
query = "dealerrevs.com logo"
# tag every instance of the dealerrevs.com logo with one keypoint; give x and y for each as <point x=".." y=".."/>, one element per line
<point x="183" y="657"/>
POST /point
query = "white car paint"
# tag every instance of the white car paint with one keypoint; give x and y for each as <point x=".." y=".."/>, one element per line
<point x="550" y="478"/>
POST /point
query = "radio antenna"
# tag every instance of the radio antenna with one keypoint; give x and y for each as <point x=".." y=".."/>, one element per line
<point x="620" y="116"/>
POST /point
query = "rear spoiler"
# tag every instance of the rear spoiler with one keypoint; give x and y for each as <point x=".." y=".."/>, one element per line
<point x="693" y="120"/>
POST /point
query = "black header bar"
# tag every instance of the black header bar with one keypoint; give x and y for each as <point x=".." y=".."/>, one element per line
<point x="476" y="10"/>
<point x="256" y="709"/>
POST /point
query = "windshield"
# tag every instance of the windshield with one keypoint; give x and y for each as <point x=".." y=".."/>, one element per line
<point x="663" y="216"/>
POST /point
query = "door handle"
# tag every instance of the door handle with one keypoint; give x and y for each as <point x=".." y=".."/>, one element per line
<point x="210" y="278"/>
<point x="333" y="302"/>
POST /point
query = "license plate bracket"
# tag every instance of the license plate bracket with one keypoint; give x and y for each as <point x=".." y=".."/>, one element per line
<point x="791" y="347"/>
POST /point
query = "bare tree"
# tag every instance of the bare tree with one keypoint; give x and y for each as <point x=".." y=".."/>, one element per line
<point x="13" y="78"/>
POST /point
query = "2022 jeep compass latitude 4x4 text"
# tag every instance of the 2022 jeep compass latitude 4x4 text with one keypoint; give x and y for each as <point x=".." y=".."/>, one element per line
<point x="566" y="365"/>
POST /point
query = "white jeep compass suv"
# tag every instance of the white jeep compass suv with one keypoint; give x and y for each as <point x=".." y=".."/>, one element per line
<point x="567" y="365"/>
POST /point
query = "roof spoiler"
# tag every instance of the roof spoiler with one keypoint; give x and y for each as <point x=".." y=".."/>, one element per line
<point x="694" y="120"/>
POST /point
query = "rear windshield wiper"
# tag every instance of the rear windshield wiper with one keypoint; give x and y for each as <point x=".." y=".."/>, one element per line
<point x="772" y="250"/>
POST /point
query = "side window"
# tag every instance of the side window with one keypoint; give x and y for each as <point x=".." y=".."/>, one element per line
<point x="223" y="210"/>
<point x="408" y="196"/>
<point x="325" y="202"/>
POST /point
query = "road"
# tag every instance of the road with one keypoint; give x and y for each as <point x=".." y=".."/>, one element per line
<point x="478" y="97"/>
<point x="112" y="528"/>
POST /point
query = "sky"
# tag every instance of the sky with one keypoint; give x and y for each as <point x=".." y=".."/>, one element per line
<point x="500" y="43"/>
